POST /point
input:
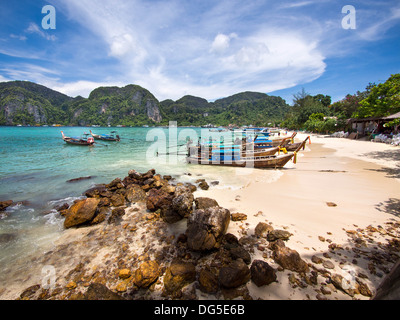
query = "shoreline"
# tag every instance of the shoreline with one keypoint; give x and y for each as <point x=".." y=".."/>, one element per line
<point x="360" y="194"/>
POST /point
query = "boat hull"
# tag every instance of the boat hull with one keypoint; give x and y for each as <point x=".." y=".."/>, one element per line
<point x="275" y="161"/>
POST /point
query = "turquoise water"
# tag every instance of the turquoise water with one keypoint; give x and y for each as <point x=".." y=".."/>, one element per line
<point x="36" y="164"/>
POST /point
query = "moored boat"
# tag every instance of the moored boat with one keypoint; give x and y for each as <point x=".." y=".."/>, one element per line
<point x="106" y="137"/>
<point x="235" y="159"/>
<point x="78" y="141"/>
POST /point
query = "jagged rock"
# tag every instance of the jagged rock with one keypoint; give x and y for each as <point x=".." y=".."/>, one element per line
<point x="29" y="292"/>
<point x="95" y="191"/>
<point x="262" y="229"/>
<point x="117" y="200"/>
<point x="134" y="174"/>
<point x="234" y="275"/>
<point x="178" y="275"/>
<point x="278" y="234"/>
<point x="115" y="184"/>
<point x="135" y="194"/>
<point x="206" y="228"/>
<point x="262" y="273"/>
<point x="204" y="203"/>
<point x="101" y="215"/>
<point x="343" y="284"/>
<point x="288" y="258"/>
<point x="147" y="273"/>
<point x="81" y="212"/>
<point x="158" y="199"/>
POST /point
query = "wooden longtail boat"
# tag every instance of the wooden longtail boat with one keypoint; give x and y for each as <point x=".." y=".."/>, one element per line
<point x="78" y="141"/>
<point x="271" y="161"/>
<point x="106" y="137"/>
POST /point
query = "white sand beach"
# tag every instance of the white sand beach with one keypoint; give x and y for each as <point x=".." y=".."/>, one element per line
<point x="361" y="178"/>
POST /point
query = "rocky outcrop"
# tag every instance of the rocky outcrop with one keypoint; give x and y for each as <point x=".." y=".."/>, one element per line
<point x="81" y="212"/>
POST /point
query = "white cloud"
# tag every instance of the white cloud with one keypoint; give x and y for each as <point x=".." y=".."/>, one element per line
<point x="221" y="42"/>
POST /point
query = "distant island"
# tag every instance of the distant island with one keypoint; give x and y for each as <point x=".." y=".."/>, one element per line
<point x="27" y="103"/>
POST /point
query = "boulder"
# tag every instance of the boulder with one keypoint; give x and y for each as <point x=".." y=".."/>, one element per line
<point x="206" y="227"/>
<point x="204" y="185"/>
<point x="178" y="275"/>
<point x="135" y="194"/>
<point x="147" y="273"/>
<point x="288" y="258"/>
<point x="262" y="273"/>
<point x="234" y="275"/>
<point x="134" y="174"/>
<point x="204" y="203"/>
<point x="81" y="212"/>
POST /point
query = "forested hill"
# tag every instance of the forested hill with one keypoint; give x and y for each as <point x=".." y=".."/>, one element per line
<point x="27" y="103"/>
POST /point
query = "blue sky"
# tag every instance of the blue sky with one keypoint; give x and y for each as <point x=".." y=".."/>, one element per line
<point x="206" y="48"/>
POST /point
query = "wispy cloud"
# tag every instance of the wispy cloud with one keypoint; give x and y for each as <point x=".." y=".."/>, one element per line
<point x="34" y="28"/>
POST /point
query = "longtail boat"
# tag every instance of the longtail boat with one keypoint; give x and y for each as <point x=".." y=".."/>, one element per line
<point x="78" y="141"/>
<point x="106" y="137"/>
<point x="235" y="160"/>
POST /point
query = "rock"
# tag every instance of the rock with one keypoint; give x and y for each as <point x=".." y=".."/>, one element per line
<point x="95" y="191"/>
<point x="238" y="216"/>
<point x="331" y="204"/>
<point x="81" y="212"/>
<point x="115" y="184"/>
<point x="158" y="199"/>
<point x="288" y="258"/>
<point x="117" y="200"/>
<point x="167" y="177"/>
<point x="79" y="179"/>
<point x="262" y="229"/>
<point x="342" y="284"/>
<point x="5" y="204"/>
<point x="328" y="264"/>
<point x="316" y="260"/>
<point x="208" y="281"/>
<point x="98" y="291"/>
<point x="204" y="203"/>
<point x="135" y="194"/>
<point x="28" y="292"/>
<point x="147" y="273"/>
<point x="262" y="273"/>
<point x="204" y="185"/>
<point x="363" y="288"/>
<point x="206" y="228"/>
<point x="101" y="215"/>
<point x="134" y="174"/>
<point x="182" y="202"/>
<point x="7" y="237"/>
<point x="124" y="273"/>
<point x="234" y="275"/>
<point x="178" y="275"/>
<point x="116" y="214"/>
<point x="278" y="234"/>
<point x="238" y="252"/>
<point x="168" y="188"/>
